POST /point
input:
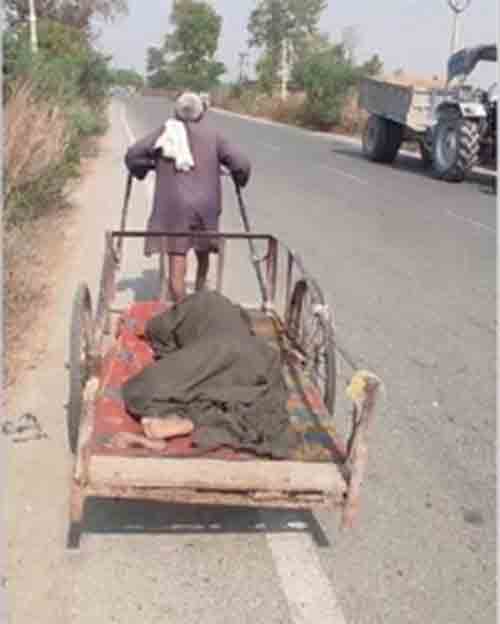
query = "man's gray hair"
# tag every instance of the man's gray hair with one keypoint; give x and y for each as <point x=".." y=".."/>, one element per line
<point x="189" y="107"/>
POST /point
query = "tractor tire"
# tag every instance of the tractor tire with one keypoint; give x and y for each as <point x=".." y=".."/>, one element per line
<point x="455" y="148"/>
<point x="382" y="139"/>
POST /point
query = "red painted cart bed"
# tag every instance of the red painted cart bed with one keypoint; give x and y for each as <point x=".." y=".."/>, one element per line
<point x="109" y="347"/>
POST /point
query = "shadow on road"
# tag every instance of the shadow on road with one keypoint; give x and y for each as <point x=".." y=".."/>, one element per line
<point x="144" y="287"/>
<point x="414" y="165"/>
<point x="108" y="516"/>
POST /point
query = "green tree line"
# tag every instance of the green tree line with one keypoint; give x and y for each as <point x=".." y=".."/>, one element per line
<point x="66" y="80"/>
<point x="283" y="32"/>
<point x="186" y="59"/>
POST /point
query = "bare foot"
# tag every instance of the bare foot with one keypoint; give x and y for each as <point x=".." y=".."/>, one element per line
<point x="124" y="440"/>
<point x="170" y="427"/>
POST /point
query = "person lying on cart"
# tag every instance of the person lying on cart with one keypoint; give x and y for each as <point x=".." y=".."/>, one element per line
<point x="186" y="153"/>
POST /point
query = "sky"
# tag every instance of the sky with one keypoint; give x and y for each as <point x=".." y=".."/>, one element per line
<point x="410" y="34"/>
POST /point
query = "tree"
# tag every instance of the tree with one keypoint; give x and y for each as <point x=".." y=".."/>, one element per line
<point x="273" y="22"/>
<point x="189" y="50"/>
<point x="328" y="79"/>
<point x="59" y="40"/>
<point x="373" y="67"/>
<point x="315" y="44"/>
<point x="158" y="74"/>
<point x="155" y="60"/>
<point x="67" y="68"/>
<point x="127" y="78"/>
<point x="265" y="72"/>
<point x="55" y="41"/>
<point x="75" y="13"/>
<point x="196" y="33"/>
<point x="268" y="28"/>
<point x="305" y="16"/>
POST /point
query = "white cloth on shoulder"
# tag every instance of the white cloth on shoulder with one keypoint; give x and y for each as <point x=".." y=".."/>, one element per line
<point x="174" y="145"/>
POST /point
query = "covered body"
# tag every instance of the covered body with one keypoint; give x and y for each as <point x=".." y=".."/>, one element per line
<point x="211" y="369"/>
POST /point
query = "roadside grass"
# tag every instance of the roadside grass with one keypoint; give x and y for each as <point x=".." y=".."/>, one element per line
<point x="292" y="111"/>
<point x="45" y="140"/>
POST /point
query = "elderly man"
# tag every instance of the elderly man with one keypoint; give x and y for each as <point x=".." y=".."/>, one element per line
<point x="186" y="153"/>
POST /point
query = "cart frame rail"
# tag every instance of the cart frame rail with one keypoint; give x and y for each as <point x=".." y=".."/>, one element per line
<point x="295" y="299"/>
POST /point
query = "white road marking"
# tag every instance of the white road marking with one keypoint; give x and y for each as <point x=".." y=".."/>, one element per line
<point x="276" y="148"/>
<point x="307" y="589"/>
<point x="340" y="172"/>
<point x="131" y="139"/>
<point x="343" y="173"/>
<point x="477" y="224"/>
<point x="313" y="133"/>
<point x="128" y="130"/>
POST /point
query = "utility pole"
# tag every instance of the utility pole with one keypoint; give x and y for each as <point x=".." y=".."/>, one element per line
<point x="243" y="63"/>
<point x="285" y="70"/>
<point x="351" y="39"/>
<point x="457" y="7"/>
<point x="454" y="33"/>
<point x="33" y="32"/>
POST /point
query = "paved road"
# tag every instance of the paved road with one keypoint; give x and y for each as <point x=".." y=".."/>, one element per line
<point x="408" y="265"/>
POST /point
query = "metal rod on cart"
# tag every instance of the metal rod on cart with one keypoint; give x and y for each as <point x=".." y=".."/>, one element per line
<point x="123" y="221"/>
<point x="253" y="251"/>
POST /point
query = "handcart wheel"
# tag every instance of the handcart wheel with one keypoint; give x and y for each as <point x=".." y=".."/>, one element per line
<point x="313" y="336"/>
<point x="80" y="354"/>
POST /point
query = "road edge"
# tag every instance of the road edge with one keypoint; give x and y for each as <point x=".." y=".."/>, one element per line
<point x="340" y="138"/>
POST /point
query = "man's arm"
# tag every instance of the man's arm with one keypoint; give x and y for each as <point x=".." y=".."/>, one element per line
<point x="140" y="157"/>
<point x="232" y="158"/>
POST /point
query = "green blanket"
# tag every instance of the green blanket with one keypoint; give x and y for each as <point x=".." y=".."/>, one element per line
<point x="211" y="369"/>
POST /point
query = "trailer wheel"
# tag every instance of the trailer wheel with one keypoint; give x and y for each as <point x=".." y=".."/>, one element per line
<point x="382" y="139"/>
<point x="313" y="335"/>
<point x="80" y="355"/>
<point x="455" y="148"/>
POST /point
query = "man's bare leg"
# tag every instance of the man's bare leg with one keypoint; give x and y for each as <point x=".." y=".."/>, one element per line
<point x="156" y="432"/>
<point x="125" y="439"/>
<point x="164" y="284"/>
<point x="203" y="258"/>
<point x="177" y="265"/>
<point x="163" y="428"/>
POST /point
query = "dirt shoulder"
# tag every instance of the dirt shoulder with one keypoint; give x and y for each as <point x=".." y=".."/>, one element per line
<point x="67" y="247"/>
<point x="34" y="264"/>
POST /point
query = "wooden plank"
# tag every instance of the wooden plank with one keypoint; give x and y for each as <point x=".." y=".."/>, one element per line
<point x="211" y="474"/>
<point x="276" y="500"/>
<point x="363" y="415"/>
<point x="85" y="430"/>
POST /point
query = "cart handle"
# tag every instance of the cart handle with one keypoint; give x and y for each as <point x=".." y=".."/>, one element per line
<point x="124" y="215"/>
<point x="253" y="252"/>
